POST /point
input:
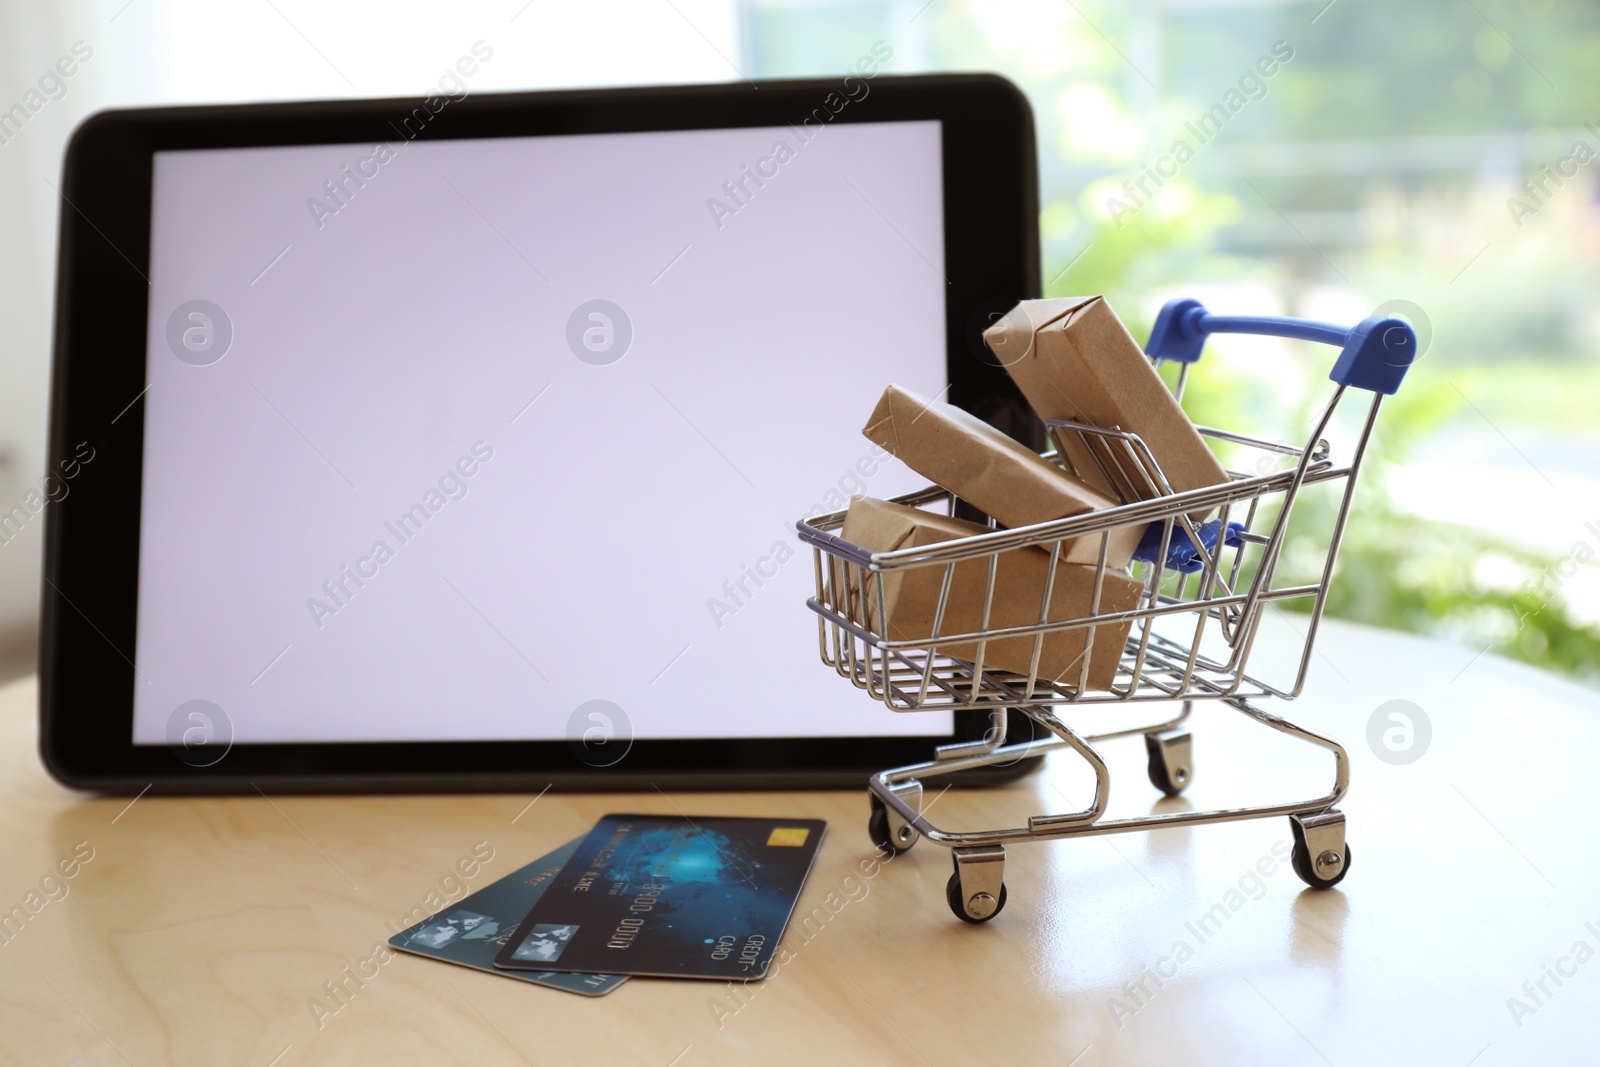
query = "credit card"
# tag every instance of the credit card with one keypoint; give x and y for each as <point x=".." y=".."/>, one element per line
<point x="670" y="896"/>
<point x="474" y="929"/>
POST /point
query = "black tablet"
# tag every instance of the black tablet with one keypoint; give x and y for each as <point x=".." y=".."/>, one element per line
<point x="457" y="442"/>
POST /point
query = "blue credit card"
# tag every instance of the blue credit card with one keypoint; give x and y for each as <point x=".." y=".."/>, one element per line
<point x="670" y="896"/>
<point x="473" y="930"/>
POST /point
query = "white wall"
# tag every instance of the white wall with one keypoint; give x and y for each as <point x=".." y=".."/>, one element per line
<point x="156" y="52"/>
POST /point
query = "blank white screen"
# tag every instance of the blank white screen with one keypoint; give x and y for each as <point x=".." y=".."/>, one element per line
<point x="375" y="345"/>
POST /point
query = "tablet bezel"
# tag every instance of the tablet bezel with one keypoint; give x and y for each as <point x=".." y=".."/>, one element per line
<point x="91" y="555"/>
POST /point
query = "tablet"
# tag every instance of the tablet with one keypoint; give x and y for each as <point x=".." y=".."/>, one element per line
<point x="458" y="442"/>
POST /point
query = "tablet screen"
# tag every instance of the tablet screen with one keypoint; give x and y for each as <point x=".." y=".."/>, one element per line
<point x="448" y="440"/>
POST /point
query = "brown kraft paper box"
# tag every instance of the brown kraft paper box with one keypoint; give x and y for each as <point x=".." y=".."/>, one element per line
<point x="960" y="452"/>
<point x="1073" y="359"/>
<point x="912" y="596"/>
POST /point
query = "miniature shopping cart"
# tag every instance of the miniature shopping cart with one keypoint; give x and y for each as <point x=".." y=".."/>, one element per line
<point x="1207" y="582"/>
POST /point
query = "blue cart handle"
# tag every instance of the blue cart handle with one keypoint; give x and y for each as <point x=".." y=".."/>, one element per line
<point x="1374" y="354"/>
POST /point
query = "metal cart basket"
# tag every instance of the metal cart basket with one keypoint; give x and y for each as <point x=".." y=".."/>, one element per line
<point x="1207" y="562"/>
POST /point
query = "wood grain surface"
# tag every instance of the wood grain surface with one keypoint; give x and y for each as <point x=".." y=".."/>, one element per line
<point x="202" y="931"/>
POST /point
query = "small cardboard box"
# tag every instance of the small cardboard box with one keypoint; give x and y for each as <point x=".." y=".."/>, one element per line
<point x="911" y="596"/>
<point x="962" y="453"/>
<point x="1073" y="359"/>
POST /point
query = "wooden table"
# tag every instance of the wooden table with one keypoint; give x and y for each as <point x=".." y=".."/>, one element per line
<point x="200" y="929"/>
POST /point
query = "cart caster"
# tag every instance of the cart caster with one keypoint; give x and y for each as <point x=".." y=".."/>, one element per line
<point x="976" y="891"/>
<point x="980" y="909"/>
<point x="1171" y="760"/>
<point x="887" y="830"/>
<point x="1321" y="855"/>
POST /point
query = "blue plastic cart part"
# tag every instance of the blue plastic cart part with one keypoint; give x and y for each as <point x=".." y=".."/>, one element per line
<point x="1181" y="553"/>
<point x="1374" y="354"/>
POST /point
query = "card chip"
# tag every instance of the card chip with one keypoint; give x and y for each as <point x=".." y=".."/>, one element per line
<point x="789" y="836"/>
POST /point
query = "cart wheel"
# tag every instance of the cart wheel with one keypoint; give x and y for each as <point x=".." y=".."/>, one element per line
<point x="952" y="895"/>
<point x="1171" y="761"/>
<point x="878" y="829"/>
<point x="1307" y="868"/>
